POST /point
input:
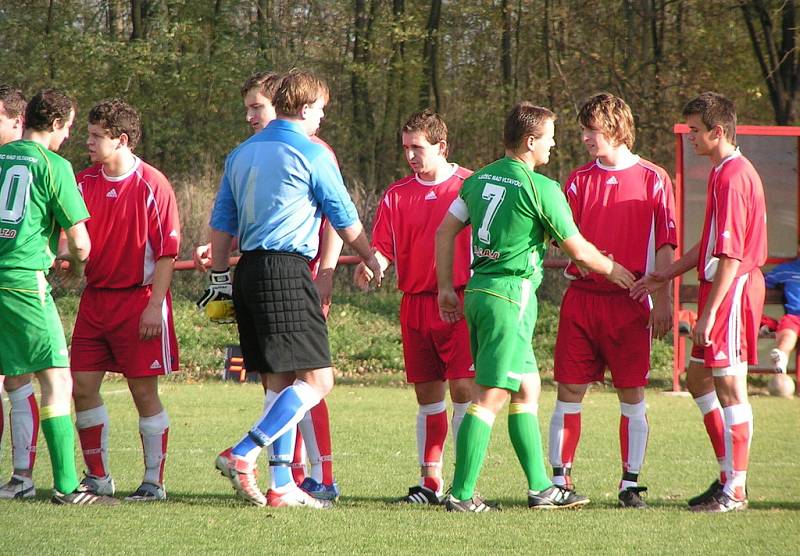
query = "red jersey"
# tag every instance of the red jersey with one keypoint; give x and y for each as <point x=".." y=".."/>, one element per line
<point x="627" y="211"/>
<point x="736" y="218"/>
<point x="405" y="231"/>
<point x="134" y="222"/>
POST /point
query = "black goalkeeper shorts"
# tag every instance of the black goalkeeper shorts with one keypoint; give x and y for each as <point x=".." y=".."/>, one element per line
<point x="281" y="326"/>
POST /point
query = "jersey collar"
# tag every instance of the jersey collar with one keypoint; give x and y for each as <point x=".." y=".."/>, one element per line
<point x="453" y="170"/>
<point x="136" y="163"/>
<point x="624" y="164"/>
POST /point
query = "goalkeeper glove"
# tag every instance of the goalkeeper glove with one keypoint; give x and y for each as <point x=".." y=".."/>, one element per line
<point x="220" y="288"/>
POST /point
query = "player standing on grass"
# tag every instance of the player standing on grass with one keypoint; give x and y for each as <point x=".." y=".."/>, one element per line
<point x="732" y="247"/>
<point x="39" y="197"/>
<point x="124" y="321"/>
<point x="624" y="205"/>
<point x="23" y="415"/>
<point x="434" y="351"/>
<point x="313" y="430"/>
<point x="275" y="188"/>
<point x="514" y="213"/>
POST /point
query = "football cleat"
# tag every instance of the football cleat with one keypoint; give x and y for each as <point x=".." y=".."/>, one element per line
<point x="421" y="495"/>
<point x="476" y="504"/>
<point x="720" y="502"/>
<point x="630" y="498"/>
<point x="83" y="498"/>
<point x="243" y="477"/>
<point x="296" y="498"/>
<point x="17" y="487"/>
<point x="147" y="492"/>
<point x="707" y="495"/>
<point x="780" y="360"/>
<point x="320" y="491"/>
<point x="103" y="486"/>
<point x="556" y="497"/>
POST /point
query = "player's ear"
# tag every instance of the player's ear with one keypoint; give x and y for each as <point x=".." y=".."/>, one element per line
<point x="123" y="139"/>
<point x="530" y="142"/>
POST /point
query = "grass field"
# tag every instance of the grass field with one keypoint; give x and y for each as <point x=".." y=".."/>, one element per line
<point x="375" y="462"/>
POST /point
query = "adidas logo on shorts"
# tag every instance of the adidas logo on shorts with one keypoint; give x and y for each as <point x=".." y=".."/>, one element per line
<point x="155" y="364"/>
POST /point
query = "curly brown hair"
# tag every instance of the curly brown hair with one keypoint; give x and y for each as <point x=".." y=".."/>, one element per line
<point x="117" y="117"/>
<point x="13" y="101"/>
<point x="46" y="107"/>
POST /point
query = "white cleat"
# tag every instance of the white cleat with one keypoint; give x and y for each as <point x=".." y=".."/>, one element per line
<point x="103" y="486"/>
<point x="295" y="498"/>
<point x="780" y="360"/>
<point x="18" y="487"/>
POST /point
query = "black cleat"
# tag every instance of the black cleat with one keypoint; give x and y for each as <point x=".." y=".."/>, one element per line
<point x="556" y="497"/>
<point x="420" y="495"/>
<point x="721" y="503"/>
<point x="476" y="504"/>
<point x="706" y="496"/>
<point x="79" y="498"/>
<point x="630" y="498"/>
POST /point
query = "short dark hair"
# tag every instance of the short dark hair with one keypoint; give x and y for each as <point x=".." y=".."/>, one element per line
<point x="46" y="107"/>
<point x="610" y="115"/>
<point x="117" y="117"/>
<point x="298" y="88"/>
<point x="429" y="123"/>
<point x="13" y="101"/>
<point x="714" y="110"/>
<point x="524" y="120"/>
<point x="266" y="82"/>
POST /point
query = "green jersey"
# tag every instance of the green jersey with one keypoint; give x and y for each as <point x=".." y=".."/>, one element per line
<point x="514" y="213"/>
<point x="38" y="197"/>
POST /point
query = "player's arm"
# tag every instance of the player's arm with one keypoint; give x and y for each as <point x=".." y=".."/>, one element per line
<point x="585" y="254"/>
<point x="661" y="315"/>
<point x="151" y="319"/>
<point x="449" y="309"/>
<point x="355" y="236"/>
<point x="657" y="280"/>
<point x="723" y="280"/>
<point x="201" y="256"/>
<point x="78" y="246"/>
<point x="330" y="250"/>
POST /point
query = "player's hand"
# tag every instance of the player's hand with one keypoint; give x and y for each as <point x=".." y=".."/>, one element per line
<point x="69" y="270"/>
<point x="375" y="269"/>
<point x="648" y="284"/>
<point x="219" y="288"/>
<point x="661" y="315"/>
<point x="701" y="333"/>
<point x="620" y="276"/>
<point x="449" y="306"/>
<point x="324" y="284"/>
<point x="202" y="257"/>
<point x="362" y="276"/>
<point x="150" y="322"/>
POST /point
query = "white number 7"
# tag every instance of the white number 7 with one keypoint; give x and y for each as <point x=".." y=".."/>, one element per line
<point x="494" y="194"/>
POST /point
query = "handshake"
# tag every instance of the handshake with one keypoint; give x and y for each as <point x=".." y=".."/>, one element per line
<point x="217" y="300"/>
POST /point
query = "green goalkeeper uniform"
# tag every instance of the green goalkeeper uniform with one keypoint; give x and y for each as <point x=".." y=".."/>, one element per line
<point x="38" y="197"/>
<point x="514" y="213"/>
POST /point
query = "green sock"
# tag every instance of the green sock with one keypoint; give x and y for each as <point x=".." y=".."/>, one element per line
<point x="523" y="428"/>
<point x="471" y="445"/>
<point x="60" y="435"/>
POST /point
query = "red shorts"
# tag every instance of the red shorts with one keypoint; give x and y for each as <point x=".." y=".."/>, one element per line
<point x="106" y="335"/>
<point x="734" y="336"/>
<point x="433" y="349"/>
<point x="789" y="322"/>
<point x="598" y="330"/>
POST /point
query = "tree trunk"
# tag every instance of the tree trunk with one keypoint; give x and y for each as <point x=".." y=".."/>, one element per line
<point x="429" y="93"/>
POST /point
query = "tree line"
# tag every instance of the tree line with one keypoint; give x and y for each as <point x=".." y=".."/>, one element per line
<point x="181" y="62"/>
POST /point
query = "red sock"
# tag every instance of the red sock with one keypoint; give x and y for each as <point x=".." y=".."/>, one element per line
<point x="715" y="427"/>
<point x="91" y="446"/>
<point x="322" y="431"/>
<point x="298" y="460"/>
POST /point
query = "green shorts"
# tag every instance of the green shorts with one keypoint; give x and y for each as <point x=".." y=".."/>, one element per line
<point x="501" y="315"/>
<point x="33" y="337"/>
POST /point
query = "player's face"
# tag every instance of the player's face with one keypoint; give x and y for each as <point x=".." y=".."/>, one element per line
<point x="313" y="115"/>
<point x="259" y="109"/>
<point x="702" y="139"/>
<point x="100" y="144"/>
<point x="596" y="142"/>
<point x="10" y="128"/>
<point x="422" y="156"/>
<point x="61" y="132"/>
<point x="542" y="145"/>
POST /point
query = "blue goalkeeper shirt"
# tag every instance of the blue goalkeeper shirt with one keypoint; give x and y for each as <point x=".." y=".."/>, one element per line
<point x="275" y="189"/>
<point x="787" y="275"/>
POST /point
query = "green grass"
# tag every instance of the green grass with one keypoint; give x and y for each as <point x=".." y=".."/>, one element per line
<point x="374" y="446"/>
